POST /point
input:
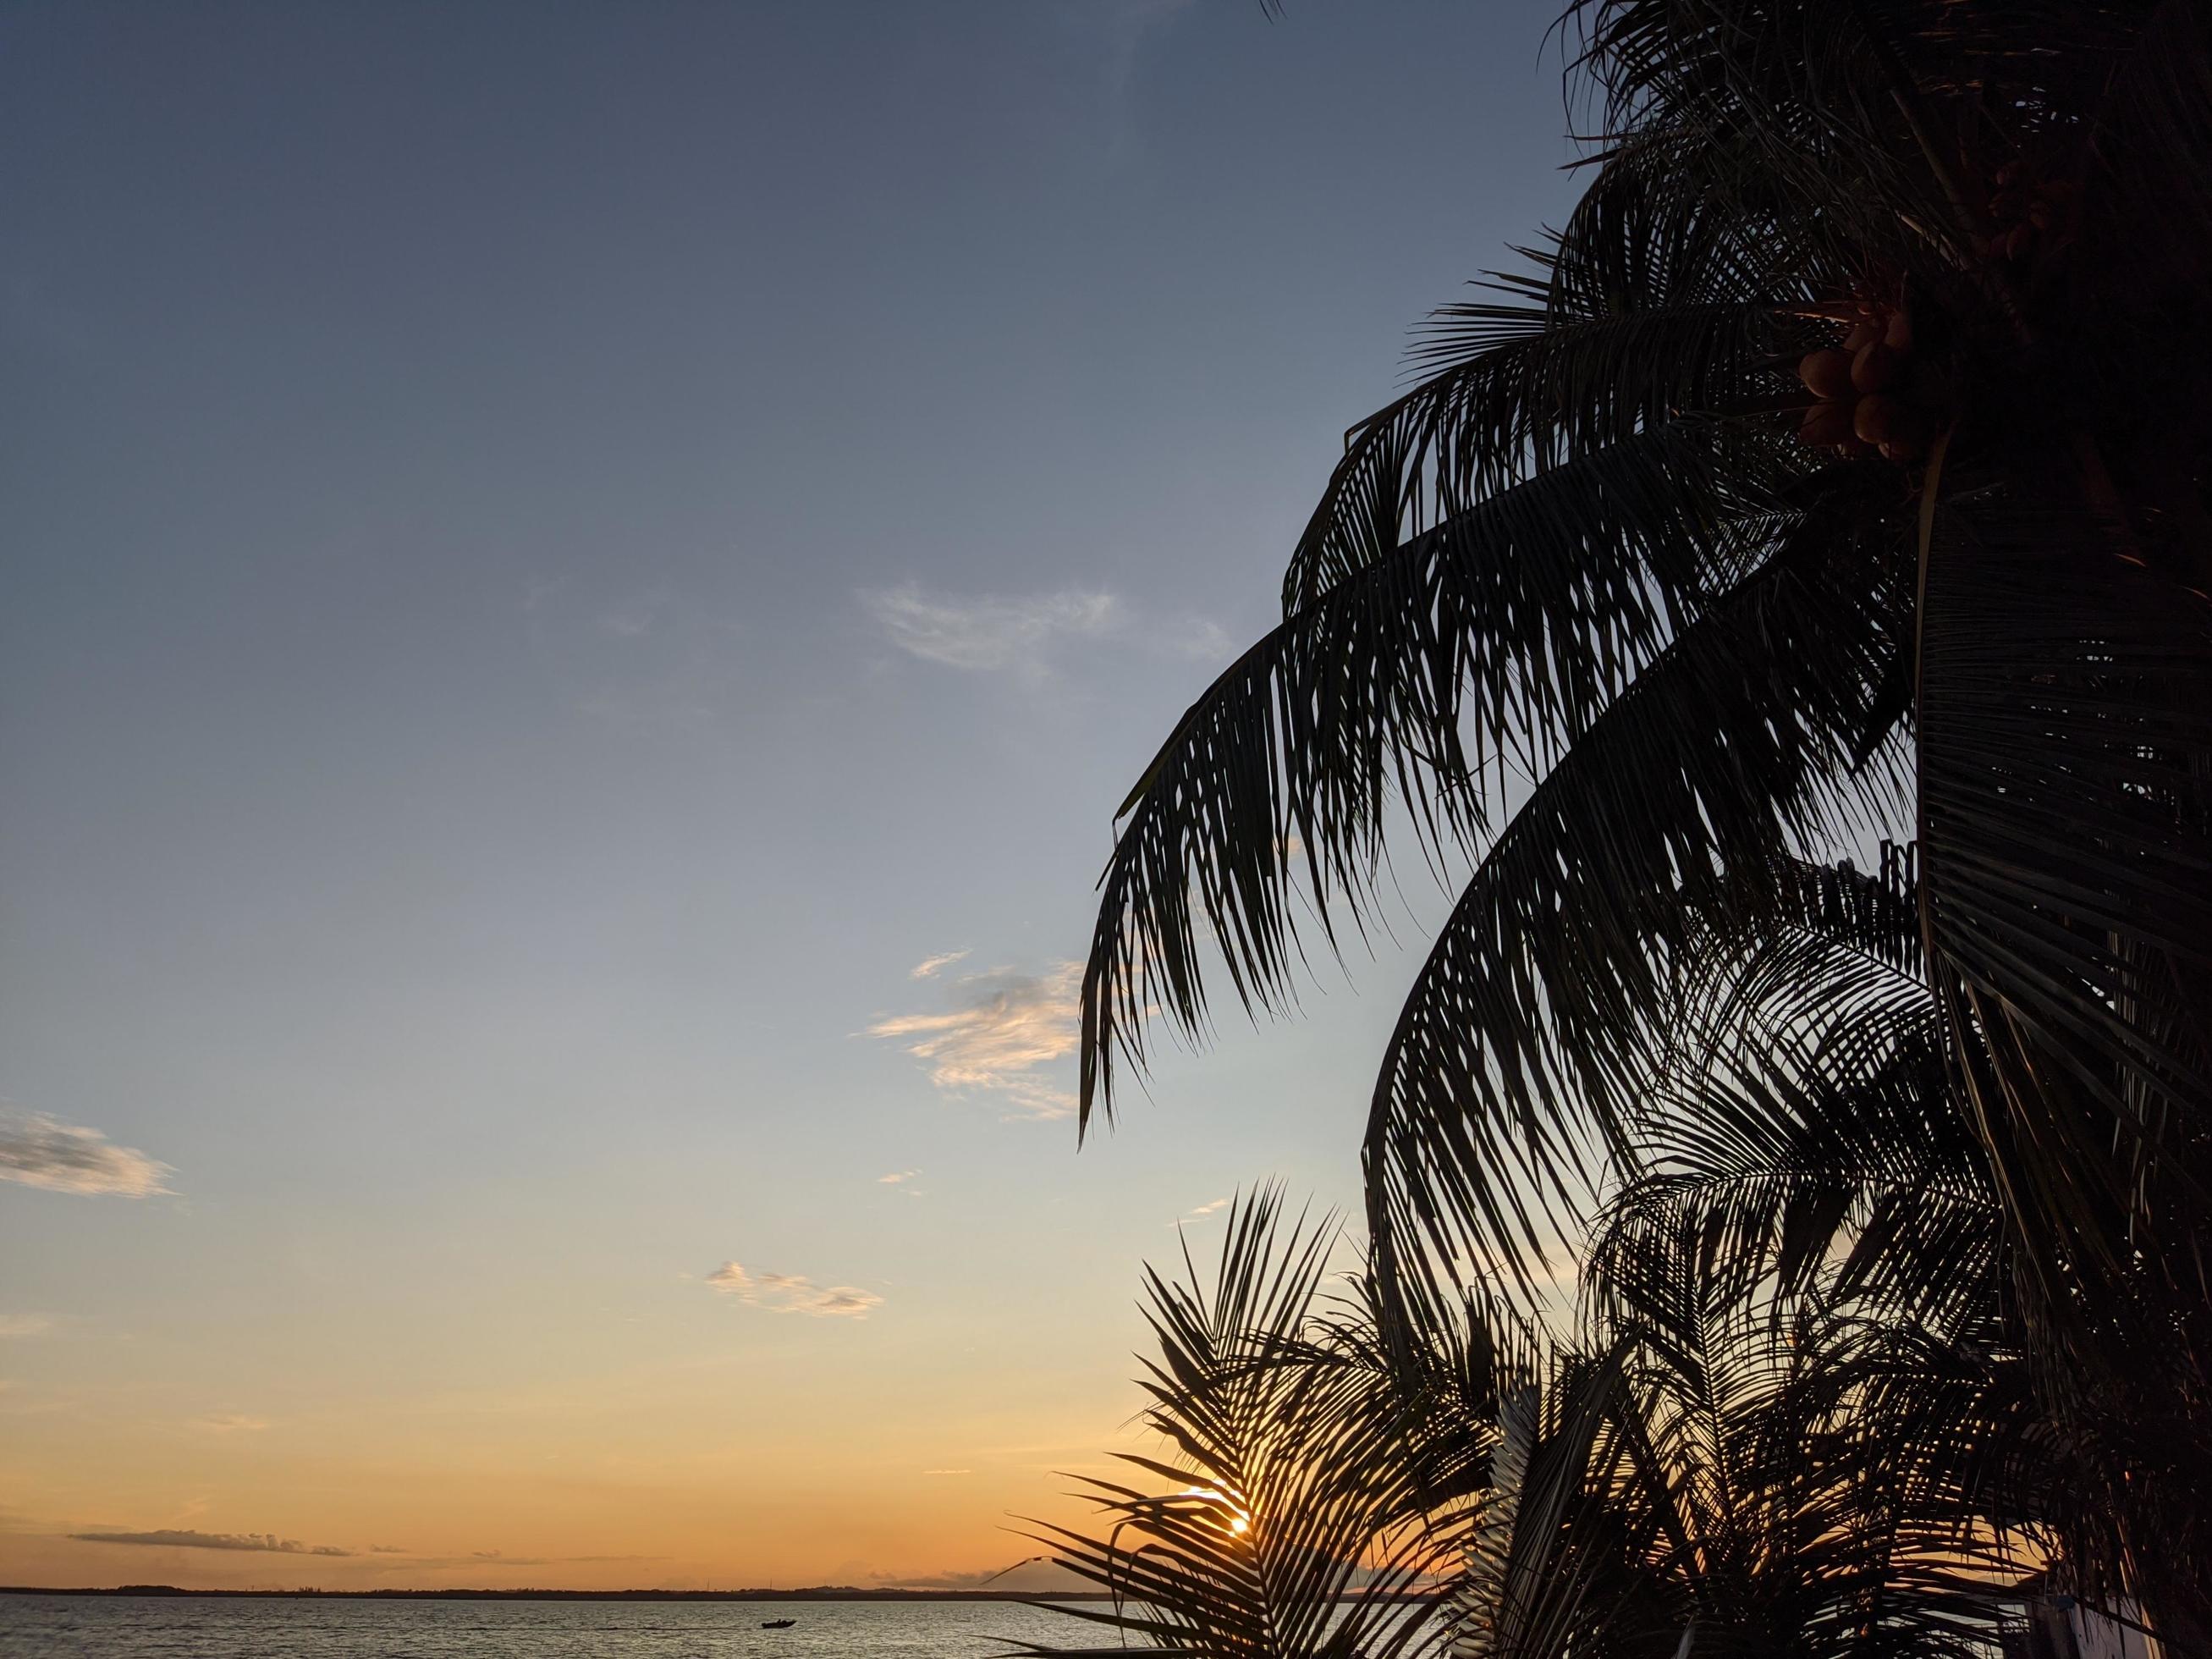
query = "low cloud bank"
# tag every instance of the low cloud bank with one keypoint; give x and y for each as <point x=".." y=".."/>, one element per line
<point x="266" y="1543"/>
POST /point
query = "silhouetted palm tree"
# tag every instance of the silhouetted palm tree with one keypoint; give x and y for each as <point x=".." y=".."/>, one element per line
<point x="1291" y="1488"/>
<point x="1837" y="472"/>
<point x="1702" y="1478"/>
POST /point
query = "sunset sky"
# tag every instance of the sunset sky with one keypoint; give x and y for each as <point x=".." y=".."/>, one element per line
<point x="581" y="584"/>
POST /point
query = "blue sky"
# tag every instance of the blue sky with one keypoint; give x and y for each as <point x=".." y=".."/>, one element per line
<point x="553" y="557"/>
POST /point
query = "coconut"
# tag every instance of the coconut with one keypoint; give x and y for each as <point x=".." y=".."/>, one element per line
<point x="1825" y="426"/>
<point x="1898" y="336"/>
<point x="1875" y="367"/>
<point x="1876" y="419"/>
<point x="1863" y="334"/>
<point x="1826" y="374"/>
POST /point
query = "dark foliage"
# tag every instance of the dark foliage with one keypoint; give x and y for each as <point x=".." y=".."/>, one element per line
<point x="1580" y="609"/>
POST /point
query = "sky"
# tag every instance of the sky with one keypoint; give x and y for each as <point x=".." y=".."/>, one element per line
<point x="579" y="586"/>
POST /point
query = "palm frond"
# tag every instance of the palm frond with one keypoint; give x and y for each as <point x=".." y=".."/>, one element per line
<point x="1295" y="754"/>
<point x="1532" y="1018"/>
<point x="1569" y="609"/>
<point x="1804" y="1136"/>
<point x="2068" y="863"/>
<point x="1646" y="311"/>
<point x="1284" y="1530"/>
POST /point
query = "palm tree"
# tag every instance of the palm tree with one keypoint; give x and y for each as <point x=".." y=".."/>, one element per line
<point x="1287" y="1527"/>
<point x="1835" y="474"/>
<point x="1704" y="1478"/>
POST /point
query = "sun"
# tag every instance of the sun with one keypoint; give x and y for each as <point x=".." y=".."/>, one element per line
<point x="1239" y="1522"/>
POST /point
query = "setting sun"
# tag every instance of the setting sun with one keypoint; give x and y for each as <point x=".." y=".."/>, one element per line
<point x="1239" y="1521"/>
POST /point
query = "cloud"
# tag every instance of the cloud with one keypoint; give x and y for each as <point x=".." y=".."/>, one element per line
<point x="183" y="1538"/>
<point x="1201" y="1212"/>
<point x="635" y="617"/>
<point x="387" y="1549"/>
<point x="232" y="1423"/>
<point x="39" y="1152"/>
<point x="948" y="1471"/>
<point x="896" y="1178"/>
<point x="25" y="1325"/>
<point x="1011" y="1028"/>
<point x="793" y="1293"/>
<point x="1196" y="638"/>
<point x="981" y="632"/>
<point x="929" y="965"/>
<point x="653" y="663"/>
<point x="989" y="631"/>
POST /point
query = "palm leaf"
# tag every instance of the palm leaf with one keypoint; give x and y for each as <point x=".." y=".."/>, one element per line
<point x="1282" y="1531"/>
<point x="1732" y="748"/>
<point x="1296" y="752"/>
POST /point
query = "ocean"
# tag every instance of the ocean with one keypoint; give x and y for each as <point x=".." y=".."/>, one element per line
<point x="212" y="1627"/>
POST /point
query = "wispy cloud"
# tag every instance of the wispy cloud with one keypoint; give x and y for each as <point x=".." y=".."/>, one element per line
<point x="633" y="618"/>
<point x="989" y="631"/>
<point x="25" y="1324"/>
<point x="793" y="1293"/>
<point x="983" y="632"/>
<point x="63" y="1158"/>
<point x="1003" y="1040"/>
<point x="948" y="1471"/>
<point x="184" y="1538"/>
<point x="929" y="965"/>
<point x="897" y="1178"/>
<point x="1214" y="1207"/>
<point x="232" y="1423"/>
<point x="655" y="662"/>
<point x="1196" y="638"/>
<point x="387" y="1549"/>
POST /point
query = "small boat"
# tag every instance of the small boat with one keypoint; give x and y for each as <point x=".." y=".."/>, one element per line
<point x="778" y="1624"/>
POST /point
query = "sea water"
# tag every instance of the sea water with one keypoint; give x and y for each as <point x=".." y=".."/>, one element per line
<point x="227" y="1627"/>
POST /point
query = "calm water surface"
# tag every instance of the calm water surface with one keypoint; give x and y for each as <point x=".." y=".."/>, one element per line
<point x="124" y="1627"/>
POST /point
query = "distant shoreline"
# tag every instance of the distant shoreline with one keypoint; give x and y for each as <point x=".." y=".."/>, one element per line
<point x="819" y="1593"/>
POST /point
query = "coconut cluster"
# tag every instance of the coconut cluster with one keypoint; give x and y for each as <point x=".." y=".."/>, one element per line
<point x="2024" y="210"/>
<point x="1866" y="402"/>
